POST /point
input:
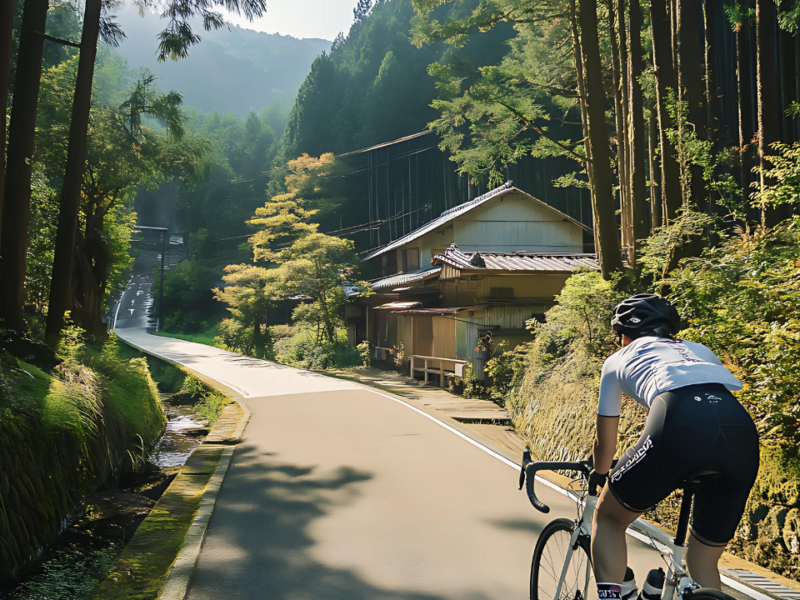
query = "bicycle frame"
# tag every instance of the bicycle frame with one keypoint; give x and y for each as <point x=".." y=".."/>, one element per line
<point x="659" y="539"/>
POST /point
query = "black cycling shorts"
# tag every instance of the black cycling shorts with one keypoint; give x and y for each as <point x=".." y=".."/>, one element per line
<point x="688" y="430"/>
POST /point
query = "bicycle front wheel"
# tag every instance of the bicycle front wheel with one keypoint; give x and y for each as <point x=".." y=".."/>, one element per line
<point x="553" y="551"/>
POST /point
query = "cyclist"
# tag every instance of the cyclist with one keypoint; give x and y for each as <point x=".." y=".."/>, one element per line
<point x="694" y="423"/>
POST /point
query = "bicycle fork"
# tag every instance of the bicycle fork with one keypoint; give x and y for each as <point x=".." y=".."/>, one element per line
<point x="584" y="528"/>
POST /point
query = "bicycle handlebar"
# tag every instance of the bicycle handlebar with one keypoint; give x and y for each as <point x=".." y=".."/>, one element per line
<point x="530" y="468"/>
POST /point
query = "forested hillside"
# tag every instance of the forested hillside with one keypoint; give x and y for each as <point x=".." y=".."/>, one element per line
<point x="250" y="69"/>
<point x="373" y="85"/>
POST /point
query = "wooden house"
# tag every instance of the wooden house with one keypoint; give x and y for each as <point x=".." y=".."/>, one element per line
<point x="479" y="271"/>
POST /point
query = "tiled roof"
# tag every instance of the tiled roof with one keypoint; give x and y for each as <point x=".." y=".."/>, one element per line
<point x="393" y="281"/>
<point x="459" y="210"/>
<point x="516" y="261"/>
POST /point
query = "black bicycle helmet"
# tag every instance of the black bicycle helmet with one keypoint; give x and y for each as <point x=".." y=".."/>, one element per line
<point x="645" y="313"/>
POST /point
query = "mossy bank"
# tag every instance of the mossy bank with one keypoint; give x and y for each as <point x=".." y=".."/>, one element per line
<point x="65" y="432"/>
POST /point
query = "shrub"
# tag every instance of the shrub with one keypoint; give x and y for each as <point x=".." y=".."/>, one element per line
<point x="742" y="300"/>
<point x="300" y="346"/>
<point x="364" y="353"/>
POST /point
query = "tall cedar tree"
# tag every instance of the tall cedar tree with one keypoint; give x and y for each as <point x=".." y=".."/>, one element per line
<point x="579" y="70"/>
<point x="611" y="260"/>
<point x="61" y="286"/>
<point x="656" y="207"/>
<point x="712" y="88"/>
<point x="666" y="81"/>
<point x="6" y="31"/>
<point x="641" y="227"/>
<point x="19" y="168"/>
<point x="768" y="105"/>
<point x="745" y="84"/>
<point x="619" y="119"/>
<point x="787" y="85"/>
<point x="691" y="82"/>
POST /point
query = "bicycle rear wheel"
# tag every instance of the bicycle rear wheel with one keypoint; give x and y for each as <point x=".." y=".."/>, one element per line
<point x="709" y="594"/>
<point x="549" y="558"/>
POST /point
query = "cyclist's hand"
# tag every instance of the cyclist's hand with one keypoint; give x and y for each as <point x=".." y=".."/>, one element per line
<point x="596" y="481"/>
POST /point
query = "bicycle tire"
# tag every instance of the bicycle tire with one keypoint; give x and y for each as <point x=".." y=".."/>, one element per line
<point x="544" y="577"/>
<point x="709" y="594"/>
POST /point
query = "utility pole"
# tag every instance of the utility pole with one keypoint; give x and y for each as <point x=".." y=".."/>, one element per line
<point x="161" y="289"/>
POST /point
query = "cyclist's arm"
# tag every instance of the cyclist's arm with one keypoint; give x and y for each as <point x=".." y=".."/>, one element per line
<point x="605" y="444"/>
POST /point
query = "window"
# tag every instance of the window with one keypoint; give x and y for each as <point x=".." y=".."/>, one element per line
<point x="410" y="259"/>
<point x="503" y="293"/>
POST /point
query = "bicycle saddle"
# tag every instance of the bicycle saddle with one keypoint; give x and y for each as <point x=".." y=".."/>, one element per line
<point x="701" y="477"/>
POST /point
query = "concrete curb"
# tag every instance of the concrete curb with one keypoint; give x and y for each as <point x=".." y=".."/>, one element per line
<point x="180" y="574"/>
<point x="232" y="393"/>
<point x="177" y="584"/>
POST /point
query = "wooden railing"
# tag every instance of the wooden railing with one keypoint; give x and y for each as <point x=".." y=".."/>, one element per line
<point x="456" y="371"/>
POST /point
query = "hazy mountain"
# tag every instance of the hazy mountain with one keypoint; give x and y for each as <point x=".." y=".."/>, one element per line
<point x="231" y="69"/>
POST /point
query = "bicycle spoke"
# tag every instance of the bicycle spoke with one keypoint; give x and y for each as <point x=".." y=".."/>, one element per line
<point x="552" y="554"/>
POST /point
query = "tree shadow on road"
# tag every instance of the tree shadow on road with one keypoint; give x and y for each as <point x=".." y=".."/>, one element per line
<point x="262" y="548"/>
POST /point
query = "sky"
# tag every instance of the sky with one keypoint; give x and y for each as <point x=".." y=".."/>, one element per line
<point x="303" y="18"/>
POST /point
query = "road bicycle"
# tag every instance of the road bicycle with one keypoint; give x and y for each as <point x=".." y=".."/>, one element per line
<point x="561" y="568"/>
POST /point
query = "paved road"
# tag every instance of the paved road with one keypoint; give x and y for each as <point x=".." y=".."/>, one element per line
<point x="343" y="492"/>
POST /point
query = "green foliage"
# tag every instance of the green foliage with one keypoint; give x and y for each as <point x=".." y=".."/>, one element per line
<point x="372" y="73"/>
<point x="301" y="346"/>
<point x="189" y="306"/>
<point x="364" y="353"/>
<point x="784" y="175"/>
<point x="505" y="372"/>
<point x="63" y="436"/>
<point x="523" y="103"/>
<point x="741" y="299"/>
<point x="657" y="249"/>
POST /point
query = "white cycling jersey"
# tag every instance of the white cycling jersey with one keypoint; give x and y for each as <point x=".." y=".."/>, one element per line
<point x="650" y="366"/>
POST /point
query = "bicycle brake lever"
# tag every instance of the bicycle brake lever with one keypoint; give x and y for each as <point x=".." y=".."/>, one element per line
<point x="526" y="458"/>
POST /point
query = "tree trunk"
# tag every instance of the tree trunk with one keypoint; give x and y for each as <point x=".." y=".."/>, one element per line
<point x="6" y="30"/>
<point x="797" y="82"/>
<point x="712" y="88"/>
<point x="767" y="85"/>
<point x="21" y="146"/>
<point x="73" y="175"/>
<point x="666" y="80"/>
<point x="787" y="85"/>
<point x="580" y="75"/>
<point x="656" y="208"/>
<point x="609" y="251"/>
<point x="691" y="82"/>
<point x="746" y="126"/>
<point x="636" y="119"/>
<point x="619" y="119"/>
<point x="90" y="276"/>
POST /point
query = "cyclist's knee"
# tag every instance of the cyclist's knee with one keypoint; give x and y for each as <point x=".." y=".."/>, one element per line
<point x="611" y="512"/>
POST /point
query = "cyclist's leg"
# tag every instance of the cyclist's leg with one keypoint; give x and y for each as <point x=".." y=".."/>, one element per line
<point x="634" y="485"/>
<point x="609" y="541"/>
<point x="702" y="561"/>
<point x="719" y="505"/>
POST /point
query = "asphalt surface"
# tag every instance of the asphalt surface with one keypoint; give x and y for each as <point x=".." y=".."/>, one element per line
<point x="340" y="491"/>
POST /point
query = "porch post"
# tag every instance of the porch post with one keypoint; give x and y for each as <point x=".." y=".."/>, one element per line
<point x="441" y="373"/>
